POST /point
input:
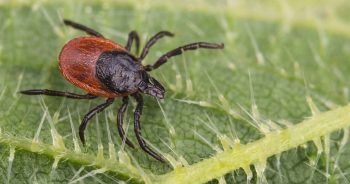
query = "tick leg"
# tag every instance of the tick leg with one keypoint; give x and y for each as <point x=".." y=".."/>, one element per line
<point x="57" y="93"/>
<point x="192" y="46"/>
<point x="137" y="128"/>
<point x="152" y="41"/>
<point x="121" y="111"/>
<point x="133" y="36"/>
<point x="82" y="28"/>
<point x="91" y="114"/>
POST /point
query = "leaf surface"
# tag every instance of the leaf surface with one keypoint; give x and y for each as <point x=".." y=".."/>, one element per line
<point x="285" y="64"/>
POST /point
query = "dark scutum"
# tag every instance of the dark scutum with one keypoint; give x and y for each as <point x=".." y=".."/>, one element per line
<point x="119" y="72"/>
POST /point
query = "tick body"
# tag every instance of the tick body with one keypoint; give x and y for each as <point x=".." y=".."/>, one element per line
<point x="103" y="68"/>
<point x="100" y="67"/>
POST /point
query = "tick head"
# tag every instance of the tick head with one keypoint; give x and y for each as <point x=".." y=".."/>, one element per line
<point x="151" y="86"/>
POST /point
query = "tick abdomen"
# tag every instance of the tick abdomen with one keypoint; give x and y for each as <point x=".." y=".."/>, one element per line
<point x="119" y="71"/>
<point x="77" y="63"/>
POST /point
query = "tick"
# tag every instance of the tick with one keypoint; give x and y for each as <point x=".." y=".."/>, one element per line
<point x="104" y="68"/>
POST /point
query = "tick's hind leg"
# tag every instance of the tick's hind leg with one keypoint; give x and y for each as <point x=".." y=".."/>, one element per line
<point x="133" y="36"/>
<point x="82" y="28"/>
<point x="57" y="93"/>
<point x="121" y="111"/>
<point x="192" y="46"/>
<point x="152" y="41"/>
<point x="137" y="128"/>
<point x="91" y="114"/>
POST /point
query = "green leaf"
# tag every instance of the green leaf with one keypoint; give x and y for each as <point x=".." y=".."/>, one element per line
<point x="270" y="107"/>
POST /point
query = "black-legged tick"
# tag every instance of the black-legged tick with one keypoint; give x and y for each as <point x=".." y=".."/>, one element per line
<point x="107" y="69"/>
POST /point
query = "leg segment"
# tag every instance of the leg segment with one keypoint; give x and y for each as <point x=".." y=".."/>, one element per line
<point x="137" y="128"/>
<point x="91" y="114"/>
<point x="121" y="111"/>
<point x="57" y="93"/>
<point x="133" y="36"/>
<point x="82" y="28"/>
<point x="192" y="46"/>
<point x="152" y="41"/>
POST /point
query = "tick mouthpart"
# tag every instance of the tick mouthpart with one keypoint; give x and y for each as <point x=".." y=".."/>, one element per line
<point x="160" y="95"/>
<point x="156" y="92"/>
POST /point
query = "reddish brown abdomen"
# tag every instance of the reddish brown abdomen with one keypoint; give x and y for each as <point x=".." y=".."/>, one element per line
<point x="77" y="63"/>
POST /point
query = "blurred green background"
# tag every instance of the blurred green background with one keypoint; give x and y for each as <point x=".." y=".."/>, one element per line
<point x="276" y="54"/>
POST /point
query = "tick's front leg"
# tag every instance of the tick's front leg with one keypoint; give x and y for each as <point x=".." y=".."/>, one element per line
<point x="121" y="112"/>
<point x="137" y="128"/>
